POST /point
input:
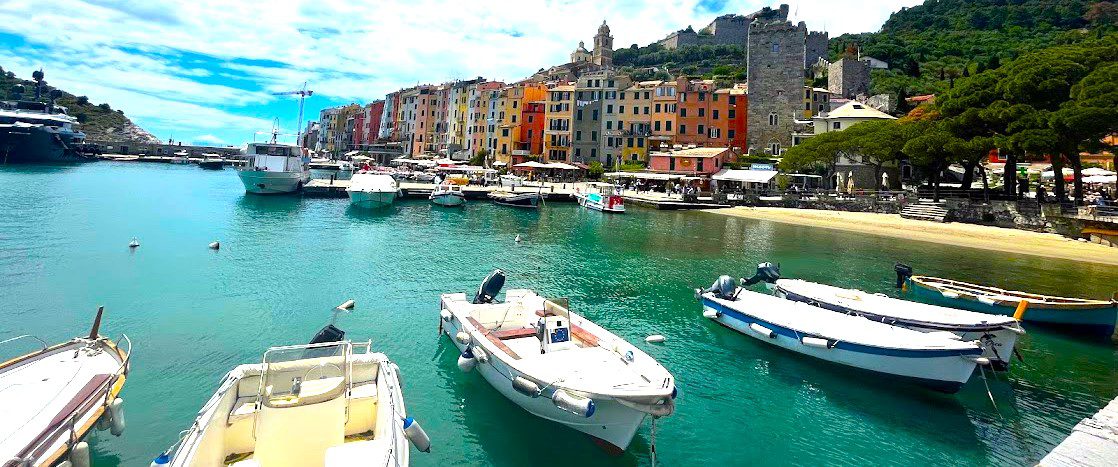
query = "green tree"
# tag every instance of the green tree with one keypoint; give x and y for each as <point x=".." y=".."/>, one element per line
<point x="595" y="170"/>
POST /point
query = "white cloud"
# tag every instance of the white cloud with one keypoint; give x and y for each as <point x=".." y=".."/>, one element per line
<point x="210" y="139"/>
<point x="217" y="62"/>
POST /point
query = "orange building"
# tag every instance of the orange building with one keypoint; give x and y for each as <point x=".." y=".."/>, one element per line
<point x="664" y="103"/>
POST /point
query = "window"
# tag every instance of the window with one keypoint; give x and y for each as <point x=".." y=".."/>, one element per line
<point x="609" y="83"/>
<point x="578" y="115"/>
<point x="668" y="125"/>
<point x="593" y="153"/>
<point x="775" y="148"/>
<point x="702" y="96"/>
<point x="682" y="129"/>
<point x="595" y="115"/>
<point x="699" y="165"/>
<point x="578" y="153"/>
<point x="729" y="134"/>
<point x="620" y="109"/>
<point x="776" y="47"/>
<point x="629" y="142"/>
<point x="657" y="107"/>
<point x="773" y="120"/>
<point x="504" y="148"/>
<point x="640" y="142"/>
<point x="702" y="112"/>
<point x="656" y="125"/>
<point x="515" y="103"/>
<point x="647" y="95"/>
<point x="836" y="125"/>
<point x="505" y="132"/>
<point x="593" y="136"/>
<point x="578" y="135"/>
<point x="646" y="110"/>
<point x="609" y="124"/>
<point x="609" y="109"/>
<point x="732" y="114"/>
<point x="807" y="106"/>
<point x="701" y="129"/>
<point x="622" y="95"/>
<point x="671" y="163"/>
<point x="683" y="112"/>
<point x="714" y="114"/>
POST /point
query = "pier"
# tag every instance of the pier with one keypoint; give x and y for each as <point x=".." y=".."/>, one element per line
<point x="325" y="188"/>
<point x="1093" y="441"/>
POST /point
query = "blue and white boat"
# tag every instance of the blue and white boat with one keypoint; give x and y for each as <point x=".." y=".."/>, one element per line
<point x="937" y="360"/>
<point x="600" y="197"/>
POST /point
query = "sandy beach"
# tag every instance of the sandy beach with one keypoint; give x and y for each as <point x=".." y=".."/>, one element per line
<point x="968" y="235"/>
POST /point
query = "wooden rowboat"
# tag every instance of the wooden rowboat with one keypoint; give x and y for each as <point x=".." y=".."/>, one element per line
<point x="1095" y="316"/>
<point x="52" y="398"/>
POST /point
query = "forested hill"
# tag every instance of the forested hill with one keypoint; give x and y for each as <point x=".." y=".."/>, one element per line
<point x="930" y="45"/>
<point x="98" y="121"/>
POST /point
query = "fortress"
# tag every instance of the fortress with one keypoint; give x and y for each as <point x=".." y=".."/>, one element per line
<point x="725" y="29"/>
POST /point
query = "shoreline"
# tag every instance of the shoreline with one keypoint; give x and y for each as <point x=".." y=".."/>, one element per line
<point x="983" y="237"/>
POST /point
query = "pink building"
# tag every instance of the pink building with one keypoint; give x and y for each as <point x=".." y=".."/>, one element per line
<point x="696" y="161"/>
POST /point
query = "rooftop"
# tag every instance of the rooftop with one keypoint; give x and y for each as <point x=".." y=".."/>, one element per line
<point x="856" y="109"/>
<point x="693" y="152"/>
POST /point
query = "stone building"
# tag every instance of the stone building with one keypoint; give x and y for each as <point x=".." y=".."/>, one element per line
<point x="724" y="30"/>
<point x="597" y="126"/>
<point x="603" y="47"/>
<point x="848" y="78"/>
<point x="775" y="57"/>
<point x="815" y="48"/>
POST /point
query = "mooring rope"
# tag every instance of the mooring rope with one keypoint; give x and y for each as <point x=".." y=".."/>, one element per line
<point x="652" y="443"/>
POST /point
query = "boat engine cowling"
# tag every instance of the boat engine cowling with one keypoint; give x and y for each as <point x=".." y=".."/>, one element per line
<point x="490" y="287"/>
<point x="722" y="288"/>
<point x="904" y="272"/>
<point x="766" y="272"/>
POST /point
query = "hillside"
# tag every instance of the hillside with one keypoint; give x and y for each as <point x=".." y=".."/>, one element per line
<point x="99" y="122"/>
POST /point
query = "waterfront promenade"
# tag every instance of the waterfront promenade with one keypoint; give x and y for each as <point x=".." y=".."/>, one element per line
<point x="1014" y="241"/>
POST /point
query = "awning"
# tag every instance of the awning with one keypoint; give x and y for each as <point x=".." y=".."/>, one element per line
<point x="643" y="175"/>
<point x="1093" y="171"/>
<point x="560" y="166"/>
<point x="530" y="165"/>
<point x="1104" y="179"/>
<point x="746" y="176"/>
<point x="499" y="164"/>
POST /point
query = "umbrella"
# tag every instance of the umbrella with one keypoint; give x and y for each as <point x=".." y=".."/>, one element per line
<point x="530" y="165"/>
<point x="1093" y="171"/>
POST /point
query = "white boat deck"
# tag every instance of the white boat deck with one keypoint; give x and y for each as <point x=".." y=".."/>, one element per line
<point x="35" y="394"/>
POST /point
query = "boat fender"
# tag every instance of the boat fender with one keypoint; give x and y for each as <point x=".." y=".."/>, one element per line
<point x="583" y="406"/>
<point x="904" y="272"/>
<point x="1019" y="313"/>
<point x="60" y="464"/>
<point x="711" y="313"/>
<point x="526" y="386"/>
<point x="445" y="315"/>
<point x="116" y="411"/>
<point x="654" y="339"/>
<point x="414" y="433"/>
<point x="757" y="328"/>
<point x="980" y="360"/>
<point x="215" y="245"/>
<point x="816" y="342"/>
<point x="949" y="294"/>
<point x="480" y="354"/>
<point x="675" y="392"/>
<point x="766" y="272"/>
<point x="79" y="454"/>
<point x="467" y="361"/>
<point x="463" y="337"/>
<point x="988" y="299"/>
<point x="663" y="409"/>
<point x="162" y="460"/>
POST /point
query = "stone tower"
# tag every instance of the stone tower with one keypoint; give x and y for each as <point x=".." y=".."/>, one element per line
<point x="775" y="55"/>
<point x="603" y="46"/>
<point x="816" y="48"/>
<point x="848" y="78"/>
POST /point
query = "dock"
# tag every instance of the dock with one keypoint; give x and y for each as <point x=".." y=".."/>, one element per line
<point x="1093" y="442"/>
<point x="325" y="188"/>
<point x="668" y="202"/>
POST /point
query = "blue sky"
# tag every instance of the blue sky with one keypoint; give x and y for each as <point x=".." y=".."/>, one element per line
<point x="204" y="71"/>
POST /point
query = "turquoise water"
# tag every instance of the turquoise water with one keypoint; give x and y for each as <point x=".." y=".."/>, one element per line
<point x="285" y="262"/>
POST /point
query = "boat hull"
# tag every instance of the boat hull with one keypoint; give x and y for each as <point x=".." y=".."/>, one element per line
<point x="518" y="200"/>
<point x="212" y="165"/>
<point x="597" y="205"/>
<point x="371" y="199"/>
<point x="29" y="145"/>
<point x="327" y="174"/>
<point x="271" y="183"/>
<point x="944" y="371"/>
<point x="448" y="199"/>
<point x="612" y="422"/>
<point x="1099" y="321"/>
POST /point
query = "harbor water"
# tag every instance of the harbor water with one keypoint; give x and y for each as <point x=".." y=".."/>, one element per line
<point x="194" y="313"/>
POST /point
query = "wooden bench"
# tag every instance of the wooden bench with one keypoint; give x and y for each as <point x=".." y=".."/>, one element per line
<point x="494" y="339"/>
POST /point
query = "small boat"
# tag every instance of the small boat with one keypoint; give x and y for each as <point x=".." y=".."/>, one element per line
<point x="370" y="190"/>
<point x="181" y="157"/>
<point x="601" y="197"/>
<point x="326" y="169"/>
<point x="327" y="403"/>
<point x="556" y="364"/>
<point x="448" y="194"/>
<point x="211" y="162"/>
<point x="54" y="397"/>
<point x="273" y="168"/>
<point x="519" y="200"/>
<point x="929" y="359"/>
<point x="1094" y="316"/>
<point x="510" y="181"/>
<point x="997" y="334"/>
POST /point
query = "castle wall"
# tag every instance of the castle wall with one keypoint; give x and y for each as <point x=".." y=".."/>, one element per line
<point x="848" y="78"/>
<point x="775" y="57"/>
<point x="816" y="48"/>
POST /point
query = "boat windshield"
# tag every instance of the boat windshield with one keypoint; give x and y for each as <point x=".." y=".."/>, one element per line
<point x="305" y="374"/>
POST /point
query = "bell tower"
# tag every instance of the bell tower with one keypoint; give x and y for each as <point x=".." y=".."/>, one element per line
<point x="603" y="46"/>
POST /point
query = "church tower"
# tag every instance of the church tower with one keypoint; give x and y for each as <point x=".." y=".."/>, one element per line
<point x="603" y="47"/>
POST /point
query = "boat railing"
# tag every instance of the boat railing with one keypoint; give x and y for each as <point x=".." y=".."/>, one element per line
<point x="127" y="353"/>
<point x="27" y="336"/>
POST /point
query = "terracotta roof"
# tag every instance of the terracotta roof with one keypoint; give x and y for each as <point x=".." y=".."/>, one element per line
<point x="856" y="109"/>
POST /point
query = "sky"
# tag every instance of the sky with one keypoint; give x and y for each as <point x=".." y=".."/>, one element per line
<point x="204" y="71"/>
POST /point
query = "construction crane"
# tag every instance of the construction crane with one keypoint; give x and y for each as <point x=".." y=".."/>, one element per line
<point x="303" y="94"/>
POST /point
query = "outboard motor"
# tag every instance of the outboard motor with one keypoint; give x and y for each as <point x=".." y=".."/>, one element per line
<point x="722" y="288"/>
<point x="328" y="333"/>
<point x="490" y="287"/>
<point x="766" y="272"/>
<point x="904" y="272"/>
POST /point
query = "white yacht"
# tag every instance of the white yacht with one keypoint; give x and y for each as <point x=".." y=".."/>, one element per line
<point x="556" y="364"/>
<point x="274" y="168"/>
<point x="448" y="194"/>
<point x="326" y="169"/>
<point x="371" y="190"/>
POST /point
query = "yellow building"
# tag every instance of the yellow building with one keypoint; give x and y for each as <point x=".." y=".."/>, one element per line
<point x="816" y="101"/>
<point x="557" y="122"/>
<point x="664" y="104"/>
<point x="635" y="115"/>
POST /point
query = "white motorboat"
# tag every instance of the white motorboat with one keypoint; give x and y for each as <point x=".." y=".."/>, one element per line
<point x="371" y="190"/>
<point x="938" y="360"/>
<point x="510" y="181"/>
<point x="527" y="199"/>
<point x="326" y="169"/>
<point x="448" y="194"/>
<point x="997" y="334"/>
<point x="273" y="168"/>
<point x="556" y="364"/>
<point x="321" y="404"/>
<point x="52" y="398"/>
<point x="181" y="157"/>
<point x="601" y="197"/>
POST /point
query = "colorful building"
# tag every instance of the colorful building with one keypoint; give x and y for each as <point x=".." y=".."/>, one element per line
<point x="695" y="161"/>
<point x="664" y="106"/>
<point x="530" y="142"/>
<point x="558" y="115"/>
<point x="635" y="114"/>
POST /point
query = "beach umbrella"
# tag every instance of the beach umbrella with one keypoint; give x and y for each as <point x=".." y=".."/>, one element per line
<point x="850" y="182"/>
<point x="885" y="180"/>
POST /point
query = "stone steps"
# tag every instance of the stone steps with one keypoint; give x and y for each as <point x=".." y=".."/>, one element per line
<point x="927" y="211"/>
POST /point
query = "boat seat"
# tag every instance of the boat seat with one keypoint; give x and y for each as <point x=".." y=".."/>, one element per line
<point x="364" y="391"/>
<point x="496" y="341"/>
<point x="244" y="407"/>
<point x="514" y="333"/>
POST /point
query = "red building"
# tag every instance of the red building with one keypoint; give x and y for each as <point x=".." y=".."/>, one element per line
<point x="696" y="161"/>
<point x="530" y="141"/>
<point x="366" y="124"/>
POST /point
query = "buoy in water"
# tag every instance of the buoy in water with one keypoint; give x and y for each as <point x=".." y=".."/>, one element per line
<point x="116" y="411"/>
<point x="414" y="433"/>
<point x="517" y="239"/>
<point x="134" y="243"/>
<point x="215" y="245"/>
<point x="79" y="455"/>
<point x="654" y="339"/>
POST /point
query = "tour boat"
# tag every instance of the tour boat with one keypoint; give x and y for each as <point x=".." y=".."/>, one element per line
<point x="1094" y="316"/>
<point x="211" y="162"/>
<point x="322" y="404"/>
<point x="448" y="194"/>
<point x="929" y="359"/>
<point x="519" y="200"/>
<point x="52" y="398"/>
<point x="326" y="169"/>
<point x="556" y="364"/>
<point x="997" y="334"/>
<point x="273" y="168"/>
<point x="371" y="190"/>
<point x="181" y="157"/>
<point x="601" y="197"/>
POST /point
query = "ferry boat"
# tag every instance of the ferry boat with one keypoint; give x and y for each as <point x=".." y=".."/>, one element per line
<point x="274" y="168"/>
<point x="448" y="194"/>
<point x="35" y="132"/>
<point x="322" y="404"/>
<point x="556" y="364"/>
<point x="933" y="360"/>
<point x="370" y="190"/>
<point x="601" y="197"/>
<point x="51" y="399"/>
<point x="1097" y="317"/>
